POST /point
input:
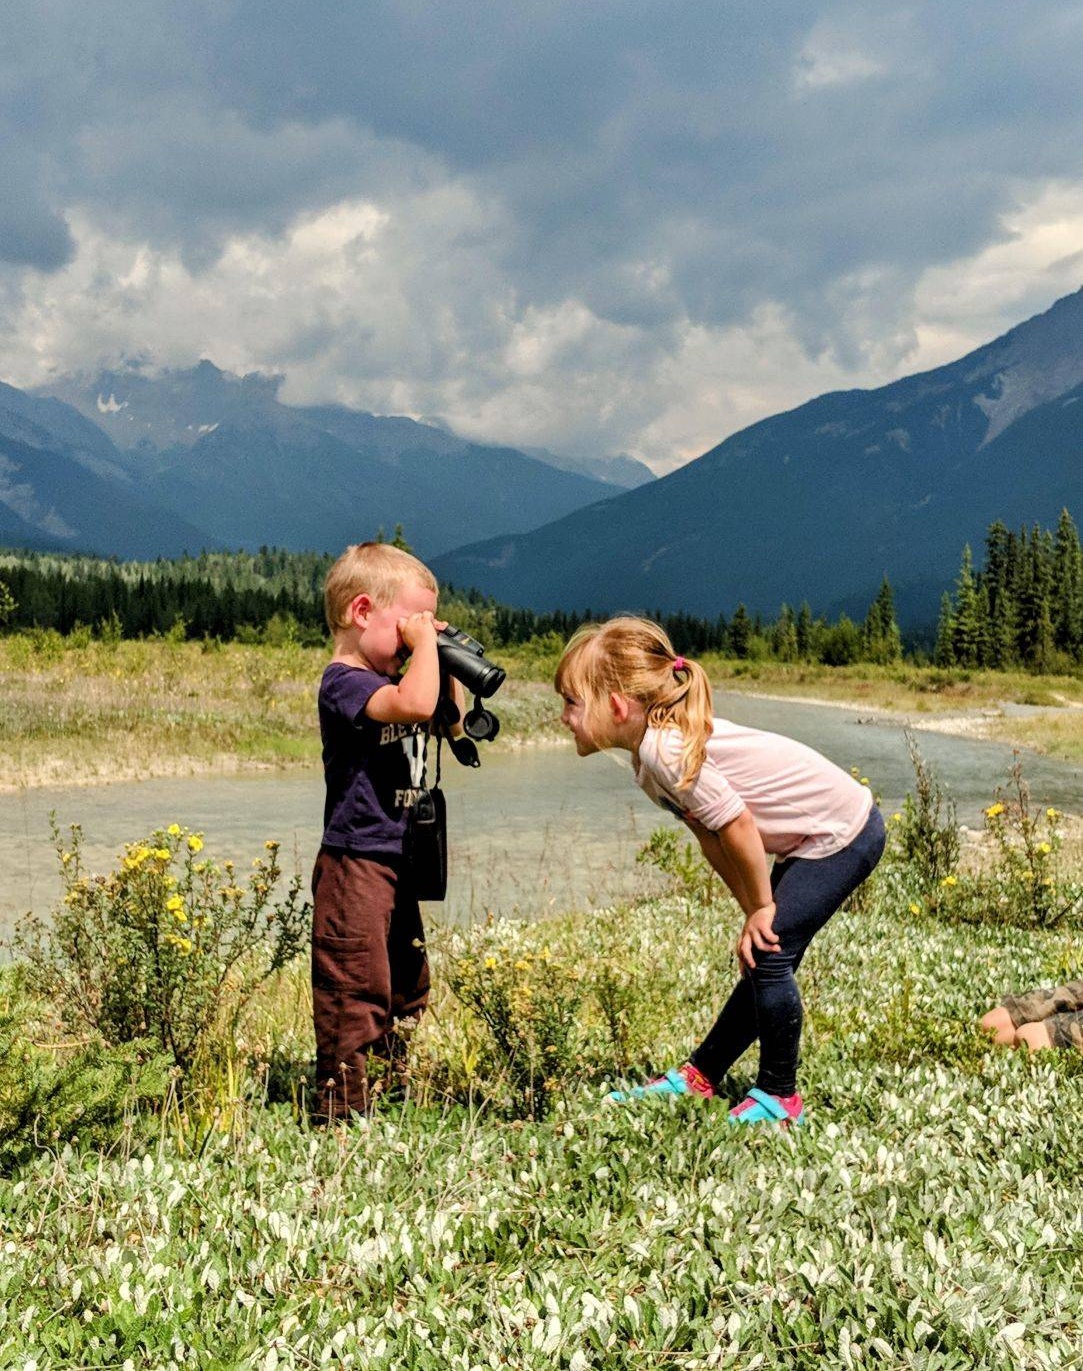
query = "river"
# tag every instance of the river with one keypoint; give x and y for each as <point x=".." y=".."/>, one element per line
<point x="533" y="829"/>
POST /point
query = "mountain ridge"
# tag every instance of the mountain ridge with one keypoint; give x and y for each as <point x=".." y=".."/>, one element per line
<point x="820" y="501"/>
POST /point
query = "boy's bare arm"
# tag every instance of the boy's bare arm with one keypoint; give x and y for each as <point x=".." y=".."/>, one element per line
<point x="414" y="698"/>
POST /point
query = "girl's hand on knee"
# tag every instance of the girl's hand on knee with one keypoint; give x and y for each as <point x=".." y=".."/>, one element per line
<point x="757" y="936"/>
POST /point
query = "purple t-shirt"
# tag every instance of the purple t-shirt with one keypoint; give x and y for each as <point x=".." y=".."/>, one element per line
<point x="367" y="764"/>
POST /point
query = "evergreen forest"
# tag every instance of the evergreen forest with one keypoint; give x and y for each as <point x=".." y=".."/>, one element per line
<point x="1022" y="609"/>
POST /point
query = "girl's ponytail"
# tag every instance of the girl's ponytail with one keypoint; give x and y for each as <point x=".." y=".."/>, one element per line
<point x="689" y="708"/>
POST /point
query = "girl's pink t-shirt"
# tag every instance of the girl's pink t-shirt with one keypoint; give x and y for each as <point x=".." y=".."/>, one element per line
<point x="802" y="804"/>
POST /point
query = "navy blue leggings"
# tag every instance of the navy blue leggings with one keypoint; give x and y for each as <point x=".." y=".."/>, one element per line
<point x="766" y="1003"/>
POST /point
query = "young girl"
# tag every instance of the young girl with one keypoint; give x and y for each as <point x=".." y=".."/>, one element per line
<point x="743" y="793"/>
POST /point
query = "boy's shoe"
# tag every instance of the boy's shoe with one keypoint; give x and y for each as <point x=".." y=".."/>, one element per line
<point x="685" y="1080"/>
<point x="760" y="1107"/>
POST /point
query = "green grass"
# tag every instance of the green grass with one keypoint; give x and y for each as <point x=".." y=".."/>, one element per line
<point x="930" y="1215"/>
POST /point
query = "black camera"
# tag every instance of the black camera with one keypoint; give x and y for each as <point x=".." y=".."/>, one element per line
<point x="464" y="658"/>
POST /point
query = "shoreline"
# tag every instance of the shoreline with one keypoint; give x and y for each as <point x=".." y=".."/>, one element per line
<point x="977" y="723"/>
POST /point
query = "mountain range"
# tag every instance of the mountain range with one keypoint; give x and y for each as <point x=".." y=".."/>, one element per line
<point x="815" y="504"/>
<point x="821" y="502"/>
<point x="135" y="465"/>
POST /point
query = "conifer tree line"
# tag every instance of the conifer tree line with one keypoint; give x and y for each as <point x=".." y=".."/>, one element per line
<point x="1024" y="608"/>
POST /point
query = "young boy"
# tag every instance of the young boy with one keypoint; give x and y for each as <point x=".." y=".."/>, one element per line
<point x="369" y="969"/>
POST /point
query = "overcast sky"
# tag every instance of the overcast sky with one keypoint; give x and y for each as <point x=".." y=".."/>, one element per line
<point x="616" y="226"/>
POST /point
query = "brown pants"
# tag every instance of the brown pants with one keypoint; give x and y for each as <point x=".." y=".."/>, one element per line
<point x="369" y="970"/>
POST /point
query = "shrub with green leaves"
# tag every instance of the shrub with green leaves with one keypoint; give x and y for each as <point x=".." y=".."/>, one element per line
<point x="529" y="1001"/>
<point x="167" y="947"/>
<point x="669" y="852"/>
<point x="53" y="1094"/>
<point x="927" y="834"/>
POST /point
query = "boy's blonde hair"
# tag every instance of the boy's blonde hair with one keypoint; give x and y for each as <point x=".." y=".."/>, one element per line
<point x="635" y="657"/>
<point x="373" y="569"/>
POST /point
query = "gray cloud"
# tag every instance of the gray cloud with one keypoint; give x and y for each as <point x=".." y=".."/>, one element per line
<point x="667" y="168"/>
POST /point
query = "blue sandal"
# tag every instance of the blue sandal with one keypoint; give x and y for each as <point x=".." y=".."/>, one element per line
<point x="765" y="1108"/>
<point x="672" y="1083"/>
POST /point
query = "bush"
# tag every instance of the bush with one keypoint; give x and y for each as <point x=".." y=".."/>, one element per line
<point x="681" y="861"/>
<point x="528" y="1001"/>
<point x="927" y="833"/>
<point x="71" y="1092"/>
<point x="168" y="947"/>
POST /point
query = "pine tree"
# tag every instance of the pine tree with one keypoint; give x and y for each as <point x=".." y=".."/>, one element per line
<point x="944" y="652"/>
<point x="804" y="632"/>
<point x="740" y="632"/>
<point x="998" y="578"/>
<point x="881" y="641"/>
<point x="1067" y="589"/>
<point x="784" y="636"/>
<point x="1035" y="631"/>
<point x="966" y="631"/>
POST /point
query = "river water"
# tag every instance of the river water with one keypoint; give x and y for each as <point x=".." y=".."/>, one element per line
<point x="533" y="829"/>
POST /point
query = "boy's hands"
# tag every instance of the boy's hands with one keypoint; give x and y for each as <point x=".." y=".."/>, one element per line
<point x="414" y="629"/>
<point x="757" y="936"/>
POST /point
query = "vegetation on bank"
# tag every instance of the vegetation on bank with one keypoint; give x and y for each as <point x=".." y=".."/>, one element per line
<point x="929" y="1215"/>
<point x="80" y="709"/>
<point x="1023" y="610"/>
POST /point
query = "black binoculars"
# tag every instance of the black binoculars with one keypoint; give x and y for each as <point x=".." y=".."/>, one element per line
<point x="464" y="658"/>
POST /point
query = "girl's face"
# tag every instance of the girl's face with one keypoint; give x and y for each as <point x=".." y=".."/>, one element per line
<point x="572" y="718"/>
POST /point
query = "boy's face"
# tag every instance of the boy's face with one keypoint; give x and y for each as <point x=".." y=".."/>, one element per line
<point x="380" y="642"/>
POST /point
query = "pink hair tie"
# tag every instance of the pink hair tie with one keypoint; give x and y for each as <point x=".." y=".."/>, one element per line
<point x="679" y="664"/>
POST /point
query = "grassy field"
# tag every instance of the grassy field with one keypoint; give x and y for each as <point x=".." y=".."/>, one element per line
<point x="77" y="711"/>
<point x="74" y="713"/>
<point x="930" y="1215"/>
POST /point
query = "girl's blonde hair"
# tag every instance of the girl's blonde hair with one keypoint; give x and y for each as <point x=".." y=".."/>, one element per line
<point x="634" y="657"/>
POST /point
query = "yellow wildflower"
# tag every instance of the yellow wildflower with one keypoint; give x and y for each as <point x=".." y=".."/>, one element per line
<point x="173" y="830"/>
<point x="1028" y="875"/>
<point x="271" y="845"/>
<point x="522" y="965"/>
<point x="864" y="781"/>
<point x="174" y="902"/>
<point x="490" y="963"/>
<point x="896" y="817"/>
<point x="950" y="880"/>
<point x="1052" y="813"/>
<point x="163" y="854"/>
<point x="195" y="843"/>
<point x="915" y="908"/>
<point x="994" y="810"/>
<point x="1044" y="848"/>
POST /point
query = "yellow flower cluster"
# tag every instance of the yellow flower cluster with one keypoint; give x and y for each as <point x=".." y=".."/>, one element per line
<point x="994" y="810"/>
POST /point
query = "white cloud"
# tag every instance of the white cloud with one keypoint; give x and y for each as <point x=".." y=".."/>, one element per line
<point x="827" y="62"/>
<point x="407" y="306"/>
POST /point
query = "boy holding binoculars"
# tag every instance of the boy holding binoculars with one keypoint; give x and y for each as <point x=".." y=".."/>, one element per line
<point x="369" y="969"/>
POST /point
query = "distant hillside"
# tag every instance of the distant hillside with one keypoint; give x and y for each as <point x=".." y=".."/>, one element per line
<point x="819" y="503"/>
<point x="224" y="453"/>
<point x="63" y="486"/>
